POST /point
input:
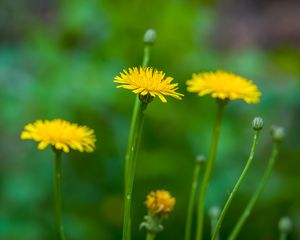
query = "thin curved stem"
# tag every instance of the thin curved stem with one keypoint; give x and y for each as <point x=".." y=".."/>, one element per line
<point x="209" y="168"/>
<point x="257" y="193"/>
<point x="57" y="194"/>
<point x="236" y="187"/>
<point x="189" y="219"/>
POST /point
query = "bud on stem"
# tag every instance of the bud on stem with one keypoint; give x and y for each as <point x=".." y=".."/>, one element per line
<point x="150" y="37"/>
<point x="257" y="123"/>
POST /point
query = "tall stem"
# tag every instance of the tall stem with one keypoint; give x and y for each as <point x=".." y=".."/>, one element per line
<point x="236" y="187"/>
<point x="130" y="162"/>
<point x="192" y="199"/>
<point x="131" y="155"/>
<point x="209" y="168"/>
<point x="257" y="193"/>
<point x="57" y="194"/>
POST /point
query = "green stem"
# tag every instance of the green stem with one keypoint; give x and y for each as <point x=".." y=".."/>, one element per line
<point x="150" y="236"/>
<point x="213" y="225"/>
<point x="209" y="168"/>
<point x="214" y="213"/>
<point x="130" y="162"/>
<point x="131" y="155"/>
<point x="57" y="194"/>
<point x="191" y="204"/>
<point x="146" y="57"/>
<point x="257" y="193"/>
<point x="236" y="187"/>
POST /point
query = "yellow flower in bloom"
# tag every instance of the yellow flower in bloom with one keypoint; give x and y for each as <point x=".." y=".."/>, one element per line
<point x="146" y="81"/>
<point x="224" y="85"/>
<point x="160" y="202"/>
<point x="61" y="134"/>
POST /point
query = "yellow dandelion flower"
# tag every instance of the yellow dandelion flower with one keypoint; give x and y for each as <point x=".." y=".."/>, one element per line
<point x="224" y="85"/>
<point x="160" y="202"/>
<point x="146" y="81"/>
<point x="61" y="134"/>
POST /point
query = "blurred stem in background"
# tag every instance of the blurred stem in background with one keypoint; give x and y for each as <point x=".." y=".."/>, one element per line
<point x="285" y="226"/>
<point x="209" y="166"/>
<point x="257" y="125"/>
<point x="57" y="193"/>
<point x="133" y="146"/>
<point x="200" y="160"/>
<point x="277" y="134"/>
<point x="214" y="213"/>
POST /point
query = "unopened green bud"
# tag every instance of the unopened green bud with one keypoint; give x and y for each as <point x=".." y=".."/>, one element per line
<point x="200" y="159"/>
<point x="257" y="123"/>
<point x="285" y="224"/>
<point x="150" y="36"/>
<point x="277" y="133"/>
<point x="214" y="212"/>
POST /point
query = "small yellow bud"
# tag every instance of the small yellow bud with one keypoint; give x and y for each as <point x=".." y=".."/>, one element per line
<point x="160" y="202"/>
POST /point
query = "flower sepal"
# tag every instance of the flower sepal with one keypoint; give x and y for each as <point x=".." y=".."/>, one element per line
<point x="222" y="102"/>
<point x="153" y="223"/>
<point x="56" y="151"/>
<point x="146" y="99"/>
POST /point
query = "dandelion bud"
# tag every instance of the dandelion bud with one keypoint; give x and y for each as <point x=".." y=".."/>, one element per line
<point x="159" y="204"/>
<point x="277" y="133"/>
<point x="150" y="36"/>
<point x="214" y="212"/>
<point x="200" y="159"/>
<point x="285" y="224"/>
<point x="257" y="123"/>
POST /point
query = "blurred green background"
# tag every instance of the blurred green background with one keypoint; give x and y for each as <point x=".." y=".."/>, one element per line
<point x="58" y="59"/>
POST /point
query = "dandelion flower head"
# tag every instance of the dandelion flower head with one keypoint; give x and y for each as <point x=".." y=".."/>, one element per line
<point x="224" y="85"/>
<point x="160" y="202"/>
<point x="62" y="135"/>
<point x="146" y="81"/>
